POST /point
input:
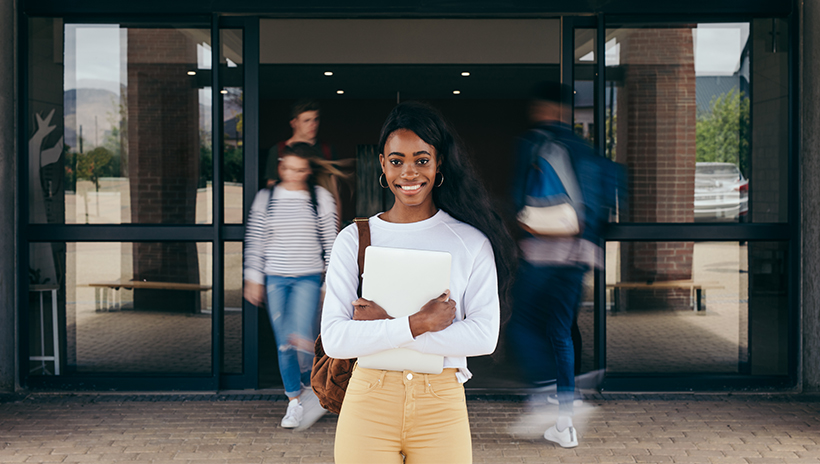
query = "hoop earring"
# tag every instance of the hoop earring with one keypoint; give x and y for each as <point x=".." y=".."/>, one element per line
<point x="380" y="182"/>
<point x="442" y="180"/>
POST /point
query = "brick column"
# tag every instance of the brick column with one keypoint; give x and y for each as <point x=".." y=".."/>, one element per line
<point x="163" y="157"/>
<point x="656" y="139"/>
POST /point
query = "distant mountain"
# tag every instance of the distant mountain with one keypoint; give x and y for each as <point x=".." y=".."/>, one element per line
<point x="81" y="107"/>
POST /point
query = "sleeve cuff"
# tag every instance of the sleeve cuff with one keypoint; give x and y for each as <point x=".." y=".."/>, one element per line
<point x="256" y="276"/>
<point x="398" y="332"/>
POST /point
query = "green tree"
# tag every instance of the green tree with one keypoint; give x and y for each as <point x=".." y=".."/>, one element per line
<point x="722" y="133"/>
<point x="94" y="164"/>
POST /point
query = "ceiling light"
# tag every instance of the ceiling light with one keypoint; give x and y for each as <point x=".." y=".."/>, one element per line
<point x="456" y="92"/>
<point x="328" y="73"/>
<point x="340" y="91"/>
<point x="192" y="73"/>
<point x="223" y="92"/>
<point x="465" y="74"/>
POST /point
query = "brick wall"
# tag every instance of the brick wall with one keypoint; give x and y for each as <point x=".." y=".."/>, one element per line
<point x="163" y="152"/>
<point x="656" y="140"/>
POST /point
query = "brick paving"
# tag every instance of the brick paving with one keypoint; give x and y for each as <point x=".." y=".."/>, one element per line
<point x="220" y="428"/>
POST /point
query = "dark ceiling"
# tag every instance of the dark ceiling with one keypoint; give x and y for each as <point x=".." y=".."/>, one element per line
<point x="410" y="81"/>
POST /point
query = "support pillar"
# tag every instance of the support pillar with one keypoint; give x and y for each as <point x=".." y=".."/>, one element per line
<point x="8" y="194"/>
<point x="810" y="194"/>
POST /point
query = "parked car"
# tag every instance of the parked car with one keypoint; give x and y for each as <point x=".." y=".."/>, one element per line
<point x="721" y="193"/>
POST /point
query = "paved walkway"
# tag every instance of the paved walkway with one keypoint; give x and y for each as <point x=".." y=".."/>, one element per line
<point x="726" y="429"/>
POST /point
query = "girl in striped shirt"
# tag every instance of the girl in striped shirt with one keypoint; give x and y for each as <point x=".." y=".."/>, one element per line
<point x="290" y="232"/>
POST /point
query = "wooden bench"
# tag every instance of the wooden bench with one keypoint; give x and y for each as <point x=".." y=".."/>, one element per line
<point x="696" y="290"/>
<point x="107" y="296"/>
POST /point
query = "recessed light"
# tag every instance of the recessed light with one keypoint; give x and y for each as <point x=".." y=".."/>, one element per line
<point x="192" y="73"/>
<point x="465" y="74"/>
<point x="223" y="92"/>
<point x="328" y="73"/>
<point x="456" y="92"/>
<point x="340" y="91"/>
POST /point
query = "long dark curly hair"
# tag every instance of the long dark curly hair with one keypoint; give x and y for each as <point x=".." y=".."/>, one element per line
<point x="462" y="195"/>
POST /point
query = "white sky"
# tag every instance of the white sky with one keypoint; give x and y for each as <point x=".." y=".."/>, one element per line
<point x="717" y="48"/>
<point x="97" y="55"/>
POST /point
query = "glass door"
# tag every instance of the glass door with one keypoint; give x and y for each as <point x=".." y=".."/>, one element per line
<point x="698" y="113"/>
<point x="120" y="223"/>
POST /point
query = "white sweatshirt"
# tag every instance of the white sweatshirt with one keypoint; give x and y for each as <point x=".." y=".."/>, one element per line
<point x="473" y="286"/>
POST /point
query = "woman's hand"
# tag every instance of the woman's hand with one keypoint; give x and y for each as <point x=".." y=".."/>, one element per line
<point x="254" y="292"/>
<point x="366" y="310"/>
<point x="436" y="315"/>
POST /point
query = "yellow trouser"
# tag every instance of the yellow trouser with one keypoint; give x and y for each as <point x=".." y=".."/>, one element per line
<point x="387" y="414"/>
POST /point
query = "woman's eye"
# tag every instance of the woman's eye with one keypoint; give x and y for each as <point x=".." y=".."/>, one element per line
<point x="395" y="162"/>
<point x="423" y="161"/>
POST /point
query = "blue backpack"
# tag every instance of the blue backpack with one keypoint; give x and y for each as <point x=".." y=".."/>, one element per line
<point x="553" y="205"/>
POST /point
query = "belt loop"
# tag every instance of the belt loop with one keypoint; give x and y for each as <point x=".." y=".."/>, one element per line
<point x="426" y="383"/>
<point x="381" y="377"/>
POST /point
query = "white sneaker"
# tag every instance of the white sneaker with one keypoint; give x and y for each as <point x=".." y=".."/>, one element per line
<point x="313" y="411"/>
<point x="553" y="399"/>
<point x="293" y="417"/>
<point x="566" y="439"/>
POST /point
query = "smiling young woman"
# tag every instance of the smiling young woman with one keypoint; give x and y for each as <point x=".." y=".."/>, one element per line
<point x="441" y="205"/>
<point x="410" y="168"/>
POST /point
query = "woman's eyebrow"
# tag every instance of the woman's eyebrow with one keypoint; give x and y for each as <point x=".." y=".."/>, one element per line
<point x="418" y="153"/>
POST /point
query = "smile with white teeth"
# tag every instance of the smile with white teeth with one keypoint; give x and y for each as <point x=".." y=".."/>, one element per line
<point x="410" y="188"/>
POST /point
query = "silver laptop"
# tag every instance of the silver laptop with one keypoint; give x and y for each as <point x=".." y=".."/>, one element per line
<point x="402" y="281"/>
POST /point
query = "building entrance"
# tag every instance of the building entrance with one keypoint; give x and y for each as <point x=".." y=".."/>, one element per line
<point x="357" y="71"/>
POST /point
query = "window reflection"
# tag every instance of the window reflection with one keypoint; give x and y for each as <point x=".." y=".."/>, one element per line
<point x="132" y="113"/>
<point x="697" y="307"/>
<point x="125" y="307"/>
<point x="233" y="318"/>
<point x="232" y="92"/>
<point x="679" y="114"/>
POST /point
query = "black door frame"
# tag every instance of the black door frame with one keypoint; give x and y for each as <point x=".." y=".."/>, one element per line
<point x="692" y="232"/>
<point x="197" y="14"/>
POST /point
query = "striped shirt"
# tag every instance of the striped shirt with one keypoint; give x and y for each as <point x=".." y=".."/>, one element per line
<point x="284" y="236"/>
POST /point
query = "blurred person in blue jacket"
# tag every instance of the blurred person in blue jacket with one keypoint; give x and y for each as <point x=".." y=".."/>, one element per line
<point x="563" y="195"/>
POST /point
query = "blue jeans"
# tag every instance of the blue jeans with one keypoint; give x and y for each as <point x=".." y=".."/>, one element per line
<point x="545" y="305"/>
<point x="293" y="303"/>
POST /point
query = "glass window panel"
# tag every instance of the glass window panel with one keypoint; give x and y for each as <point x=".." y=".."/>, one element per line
<point x="234" y="317"/>
<point x="139" y="308"/>
<point x="232" y="91"/>
<point x="584" y="339"/>
<point x="697" y="307"/>
<point x="684" y="101"/>
<point x="120" y="126"/>
<point x="584" y="74"/>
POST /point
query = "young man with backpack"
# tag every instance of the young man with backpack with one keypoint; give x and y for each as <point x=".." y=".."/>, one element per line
<point x="563" y="193"/>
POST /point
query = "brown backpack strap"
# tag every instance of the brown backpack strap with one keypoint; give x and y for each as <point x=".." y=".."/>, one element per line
<point x="363" y="224"/>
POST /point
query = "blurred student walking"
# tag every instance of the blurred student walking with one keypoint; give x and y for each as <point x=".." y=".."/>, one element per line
<point x="563" y="193"/>
<point x="291" y="229"/>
